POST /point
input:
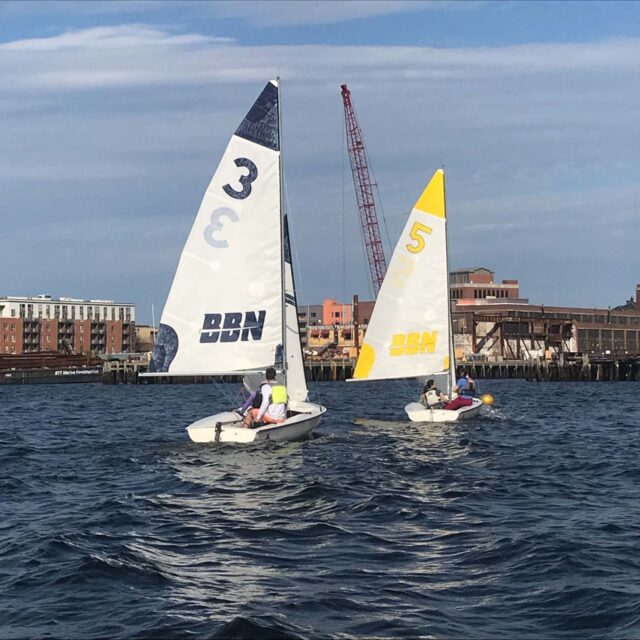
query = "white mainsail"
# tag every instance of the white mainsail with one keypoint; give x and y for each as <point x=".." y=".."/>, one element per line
<point x="409" y="331"/>
<point x="224" y="312"/>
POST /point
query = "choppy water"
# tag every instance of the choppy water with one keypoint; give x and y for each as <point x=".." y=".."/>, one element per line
<point x="524" y="523"/>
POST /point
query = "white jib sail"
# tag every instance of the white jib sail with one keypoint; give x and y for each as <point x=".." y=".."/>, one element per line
<point x="296" y="383"/>
<point x="408" y="334"/>
<point x="224" y="310"/>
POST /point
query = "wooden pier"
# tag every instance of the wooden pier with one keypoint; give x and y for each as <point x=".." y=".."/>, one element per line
<point x="601" y="368"/>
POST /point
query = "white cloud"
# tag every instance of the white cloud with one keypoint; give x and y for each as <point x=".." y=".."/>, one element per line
<point x="110" y="38"/>
<point x="257" y="13"/>
<point x="538" y="141"/>
<point x="286" y="13"/>
<point x="139" y="55"/>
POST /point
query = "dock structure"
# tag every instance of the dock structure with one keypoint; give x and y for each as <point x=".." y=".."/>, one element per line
<point x="581" y="369"/>
<point x="587" y="369"/>
<point x="578" y="369"/>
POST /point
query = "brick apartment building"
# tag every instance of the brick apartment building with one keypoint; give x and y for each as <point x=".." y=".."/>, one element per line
<point x="65" y="325"/>
<point x="471" y="285"/>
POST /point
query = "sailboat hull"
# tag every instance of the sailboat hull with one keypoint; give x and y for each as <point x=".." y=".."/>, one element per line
<point x="419" y="413"/>
<point x="227" y="427"/>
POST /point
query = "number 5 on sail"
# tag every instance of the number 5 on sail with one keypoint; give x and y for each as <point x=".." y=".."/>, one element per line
<point x="409" y="334"/>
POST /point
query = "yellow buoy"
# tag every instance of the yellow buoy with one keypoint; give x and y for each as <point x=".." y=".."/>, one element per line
<point x="487" y="399"/>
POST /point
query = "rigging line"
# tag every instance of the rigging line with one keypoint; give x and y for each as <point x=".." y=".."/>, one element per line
<point x="384" y="218"/>
<point x="293" y="248"/>
<point x="293" y="245"/>
<point x="230" y="397"/>
<point x="344" y="245"/>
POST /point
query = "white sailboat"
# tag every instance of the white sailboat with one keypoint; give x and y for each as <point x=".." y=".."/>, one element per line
<point x="409" y="333"/>
<point x="232" y="305"/>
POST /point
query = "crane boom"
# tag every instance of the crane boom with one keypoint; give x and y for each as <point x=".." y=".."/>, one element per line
<point x="364" y="193"/>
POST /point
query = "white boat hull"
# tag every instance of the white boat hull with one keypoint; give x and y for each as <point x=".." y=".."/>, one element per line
<point x="227" y="426"/>
<point x="419" y="413"/>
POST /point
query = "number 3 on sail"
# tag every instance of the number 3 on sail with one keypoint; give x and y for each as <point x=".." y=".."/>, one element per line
<point x="230" y="311"/>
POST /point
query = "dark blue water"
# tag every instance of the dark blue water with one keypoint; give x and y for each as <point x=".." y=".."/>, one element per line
<point x="524" y="523"/>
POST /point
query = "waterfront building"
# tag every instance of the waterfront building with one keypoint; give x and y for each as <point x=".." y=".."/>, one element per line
<point x="145" y="337"/>
<point x="499" y="326"/>
<point x="476" y="285"/>
<point x="65" y="325"/>
<point x="526" y="332"/>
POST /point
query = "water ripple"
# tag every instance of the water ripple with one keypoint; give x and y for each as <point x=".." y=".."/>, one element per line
<point x="523" y="523"/>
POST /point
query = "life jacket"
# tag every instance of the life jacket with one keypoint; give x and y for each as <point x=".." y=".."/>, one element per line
<point x="257" y="400"/>
<point x="279" y="394"/>
<point x="432" y="397"/>
<point x="256" y="403"/>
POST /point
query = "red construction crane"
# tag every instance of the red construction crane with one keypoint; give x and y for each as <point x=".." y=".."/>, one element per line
<point x="364" y="193"/>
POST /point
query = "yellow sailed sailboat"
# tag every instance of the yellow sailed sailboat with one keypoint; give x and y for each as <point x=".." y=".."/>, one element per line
<point x="410" y="333"/>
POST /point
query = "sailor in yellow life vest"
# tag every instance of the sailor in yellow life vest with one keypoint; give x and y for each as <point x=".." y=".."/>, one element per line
<point x="273" y="404"/>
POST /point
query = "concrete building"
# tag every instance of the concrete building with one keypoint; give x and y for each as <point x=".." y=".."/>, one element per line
<point x="475" y="285"/>
<point x="523" y="331"/>
<point x="65" y="325"/>
<point x="145" y="337"/>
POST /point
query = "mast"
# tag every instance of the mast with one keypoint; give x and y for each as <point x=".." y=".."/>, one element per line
<point x="452" y="362"/>
<point x="282" y="241"/>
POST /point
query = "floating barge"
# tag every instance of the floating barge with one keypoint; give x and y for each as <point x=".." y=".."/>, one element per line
<point x="49" y="368"/>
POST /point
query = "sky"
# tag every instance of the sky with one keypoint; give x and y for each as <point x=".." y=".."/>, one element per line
<point x="114" y="115"/>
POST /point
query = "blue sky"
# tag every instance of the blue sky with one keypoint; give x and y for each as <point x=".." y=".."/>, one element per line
<point x="114" y="116"/>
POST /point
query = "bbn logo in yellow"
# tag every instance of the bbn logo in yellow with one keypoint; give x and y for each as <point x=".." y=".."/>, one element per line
<point x="411" y="344"/>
